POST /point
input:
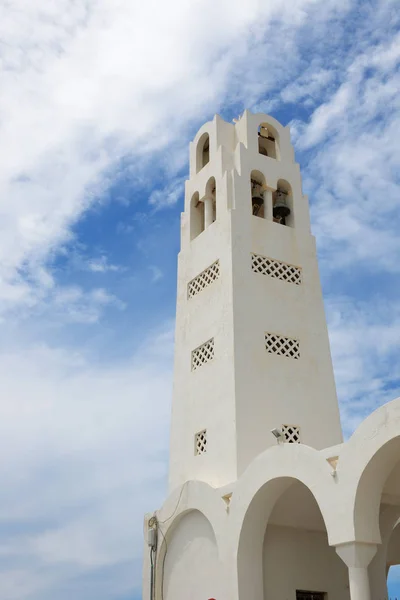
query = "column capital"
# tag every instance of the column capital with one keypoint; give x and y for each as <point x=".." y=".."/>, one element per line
<point x="356" y="554"/>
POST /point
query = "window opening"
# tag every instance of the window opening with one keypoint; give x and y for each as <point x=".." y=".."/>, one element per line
<point x="276" y="269"/>
<point x="203" y="354"/>
<point x="200" y="444"/>
<point x="291" y="434"/>
<point x="204" y="279"/>
<point x="283" y="346"/>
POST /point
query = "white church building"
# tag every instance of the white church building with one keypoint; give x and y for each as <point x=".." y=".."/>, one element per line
<point x="265" y="500"/>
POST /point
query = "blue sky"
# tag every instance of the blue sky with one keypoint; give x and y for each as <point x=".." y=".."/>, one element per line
<point x="99" y="99"/>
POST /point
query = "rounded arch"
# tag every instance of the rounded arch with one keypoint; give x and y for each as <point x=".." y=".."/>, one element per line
<point x="268" y="140"/>
<point x="193" y="511"/>
<point x="196" y="216"/>
<point x="202" y="151"/>
<point x="257" y="187"/>
<point x="366" y="466"/>
<point x="257" y="491"/>
<point x="282" y="202"/>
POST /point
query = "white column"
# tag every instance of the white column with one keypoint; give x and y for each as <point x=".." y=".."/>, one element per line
<point x="357" y="557"/>
<point x="208" y="212"/>
<point x="268" y="204"/>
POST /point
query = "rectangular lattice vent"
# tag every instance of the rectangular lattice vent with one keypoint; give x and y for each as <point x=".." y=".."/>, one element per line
<point x="203" y="354"/>
<point x="283" y="346"/>
<point x="291" y="434"/>
<point x="206" y="278"/>
<point x="275" y="268"/>
<point x="200" y="445"/>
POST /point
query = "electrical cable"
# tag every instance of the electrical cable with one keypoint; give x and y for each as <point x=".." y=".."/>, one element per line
<point x="154" y="522"/>
<point x="151" y="573"/>
<point x="163" y="564"/>
<point x="176" y="507"/>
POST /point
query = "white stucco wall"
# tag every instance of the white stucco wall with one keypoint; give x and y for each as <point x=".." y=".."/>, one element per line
<point x="192" y="568"/>
<point x="296" y="559"/>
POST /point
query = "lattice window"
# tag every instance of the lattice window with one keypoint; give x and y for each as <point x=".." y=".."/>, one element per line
<point x="200" y="442"/>
<point x="275" y="268"/>
<point x="203" y="354"/>
<point x="206" y="278"/>
<point x="283" y="346"/>
<point x="291" y="434"/>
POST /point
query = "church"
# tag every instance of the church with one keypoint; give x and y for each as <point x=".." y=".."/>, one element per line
<point x="266" y="501"/>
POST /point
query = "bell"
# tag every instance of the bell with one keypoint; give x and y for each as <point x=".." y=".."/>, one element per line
<point x="257" y="202"/>
<point x="281" y="209"/>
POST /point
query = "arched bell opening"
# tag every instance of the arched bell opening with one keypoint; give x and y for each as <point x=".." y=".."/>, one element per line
<point x="258" y="187"/>
<point x="282" y="204"/>
<point x="196" y="216"/>
<point x="268" y="141"/>
<point x="203" y="152"/>
<point x="284" y="550"/>
<point x="211" y="198"/>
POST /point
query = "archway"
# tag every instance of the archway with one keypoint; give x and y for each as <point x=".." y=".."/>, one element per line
<point x="190" y="565"/>
<point x="381" y="480"/>
<point x="284" y="550"/>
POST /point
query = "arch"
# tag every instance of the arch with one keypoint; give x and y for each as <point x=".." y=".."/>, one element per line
<point x="191" y="564"/>
<point x="255" y="496"/>
<point x="193" y="498"/>
<point x="364" y="469"/>
<point x="257" y="187"/>
<point x="268" y="140"/>
<point x="282" y="203"/>
<point x="202" y="152"/>
<point x="196" y="216"/>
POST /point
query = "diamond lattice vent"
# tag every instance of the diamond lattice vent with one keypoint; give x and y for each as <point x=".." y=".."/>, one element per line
<point x="283" y="346"/>
<point x="203" y="354"/>
<point x="275" y="268"/>
<point x="200" y="442"/>
<point x="204" y="279"/>
<point x="291" y="434"/>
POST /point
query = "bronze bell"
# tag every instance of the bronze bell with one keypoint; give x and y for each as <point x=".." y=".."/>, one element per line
<point x="257" y="202"/>
<point x="281" y="209"/>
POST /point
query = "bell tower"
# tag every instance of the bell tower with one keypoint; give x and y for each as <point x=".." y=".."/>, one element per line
<point x="251" y="347"/>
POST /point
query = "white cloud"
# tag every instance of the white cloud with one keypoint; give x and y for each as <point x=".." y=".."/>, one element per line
<point x="85" y="84"/>
<point x="78" y="435"/>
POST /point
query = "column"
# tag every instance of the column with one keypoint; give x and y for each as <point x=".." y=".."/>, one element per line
<point x="208" y="212"/>
<point x="357" y="556"/>
<point x="267" y="203"/>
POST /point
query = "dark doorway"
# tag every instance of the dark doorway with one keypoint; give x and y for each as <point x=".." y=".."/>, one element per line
<point x="301" y="595"/>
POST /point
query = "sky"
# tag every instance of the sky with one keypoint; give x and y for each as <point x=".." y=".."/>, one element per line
<point x="99" y="100"/>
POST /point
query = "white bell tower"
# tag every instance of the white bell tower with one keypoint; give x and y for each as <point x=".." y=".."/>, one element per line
<point x="251" y="348"/>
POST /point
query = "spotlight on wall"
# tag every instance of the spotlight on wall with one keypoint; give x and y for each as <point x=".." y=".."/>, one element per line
<point x="277" y="433"/>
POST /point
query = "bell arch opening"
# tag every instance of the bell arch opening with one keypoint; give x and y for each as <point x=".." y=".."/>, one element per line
<point x="268" y="141"/>
<point x="257" y="186"/>
<point x="196" y="216"/>
<point x="284" y="550"/>
<point x="203" y="152"/>
<point x="282" y="204"/>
